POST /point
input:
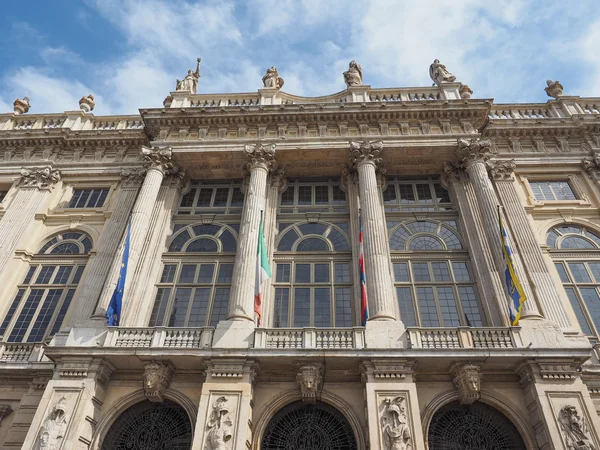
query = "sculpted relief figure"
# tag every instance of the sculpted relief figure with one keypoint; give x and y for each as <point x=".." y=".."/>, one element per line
<point x="467" y="380"/>
<point x="157" y="377"/>
<point x="272" y="79"/>
<point x="394" y="425"/>
<point x="574" y="429"/>
<point x="353" y="76"/>
<point x="310" y="378"/>
<point x="53" y="430"/>
<point x="439" y="74"/>
<point x="219" y="426"/>
<point x="190" y="82"/>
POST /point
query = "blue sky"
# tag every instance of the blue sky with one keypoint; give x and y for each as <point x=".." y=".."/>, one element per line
<point x="129" y="53"/>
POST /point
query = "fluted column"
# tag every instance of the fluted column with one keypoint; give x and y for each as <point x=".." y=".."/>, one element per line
<point x="365" y="158"/>
<point x="542" y="281"/>
<point x="261" y="159"/>
<point x="472" y="156"/>
<point x="350" y="185"/>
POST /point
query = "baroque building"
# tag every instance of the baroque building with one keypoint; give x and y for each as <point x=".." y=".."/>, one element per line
<point x="421" y="171"/>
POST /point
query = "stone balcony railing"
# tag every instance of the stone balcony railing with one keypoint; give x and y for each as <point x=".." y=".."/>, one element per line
<point x="159" y="337"/>
<point x="310" y="338"/>
<point x="465" y="337"/>
<point x="21" y="352"/>
<point x="70" y="120"/>
<point x="564" y="106"/>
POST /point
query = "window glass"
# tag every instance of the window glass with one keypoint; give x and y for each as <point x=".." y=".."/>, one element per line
<point x="552" y="190"/>
<point x="88" y="198"/>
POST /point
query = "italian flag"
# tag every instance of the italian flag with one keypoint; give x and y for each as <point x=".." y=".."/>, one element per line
<point x="263" y="270"/>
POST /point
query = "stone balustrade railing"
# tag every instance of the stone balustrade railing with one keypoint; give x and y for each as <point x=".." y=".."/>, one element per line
<point x="465" y="337"/>
<point x="76" y="121"/>
<point x="21" y="352"/>
<point x="562" y="107"/>
<point x="159" y="337"/>
<point x="310" y="338"/>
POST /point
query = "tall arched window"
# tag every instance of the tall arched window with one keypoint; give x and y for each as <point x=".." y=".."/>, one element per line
<point x="44" y="295"/>
<point x="579" y="271"/>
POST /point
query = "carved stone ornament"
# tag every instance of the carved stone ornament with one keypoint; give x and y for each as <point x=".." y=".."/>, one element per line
<point x="467" y="380"/>
<point x="353" y="76"/>
<point x="394" y="424"/>
<point x="86" y="104"/>
<point x="450" y="173"/>
<point x="310" y="378"/>
<point x="190" y="82"/>
<point x="574" y="430"/>
<point x="157" y="378"/>
<point x="5" y="411"/>
<point x="439" y="74"/>
<point x="220" y="426"/>
<point x="159" y="158"/>
<point x="272" y="79"/>
<point x="54" y="427"/>
<point x="132" y="176"/>
<point x="278" y="179"/>
<point x="592" y="166"/>
<point x="40" y="177"/>
<point x="366" y="151"/>
<point x="167" y="101"/>
<point x="260" y="155"/>
<point x="554" y="88"/>
<point x="473" y="150"/>
<point x="465" y="91"/>
<point x="21" y="106"/>
<point x="502" y="170"/>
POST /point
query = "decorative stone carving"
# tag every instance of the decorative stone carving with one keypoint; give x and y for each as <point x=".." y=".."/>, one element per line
<point x="473" y="150"/>
<point x="86" y="104"/>
<point x="502" y="170"/>
<point x="465" y="91"/>
<point x="592" y="166"/>
<point x="278" y="179"/>
<point x="574" y="429"/>
<point x="21" y="106"/>
<point x="132" y="176"/>
<point x="272" y="79"/>
<point x="167" y="101"/>
<point x="159" y="158"/>
<point x="157" y="378"/>
<point x="394" y="424"/>
<point x="310" y="378"/>
<point x="40" y="177"/>
<point x="450" y="173"/>
<point x="260" y="154"/>
<point x="5" y="411"/>
<point x="353" y="76"/>
<point x="365" y="151"/>
<point x="467" y="380"/>
<point x="554" y="88"/>
<point x="219" y="426"/>
<point x="190" y="82"/>
<point x="53" y="430"/>
<point x="439" y="74"/>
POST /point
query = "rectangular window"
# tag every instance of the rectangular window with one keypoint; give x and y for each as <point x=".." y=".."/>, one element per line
<point x="304" y="195"/>
<point x="426" y="194"/>
<point x="88" y="198"/>
<point x="220" y="197"/>
<point x="552" y="190"/>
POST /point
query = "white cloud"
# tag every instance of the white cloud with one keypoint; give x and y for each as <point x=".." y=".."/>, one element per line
<point x="588" y="46"/>
<point x="54" y="55"/>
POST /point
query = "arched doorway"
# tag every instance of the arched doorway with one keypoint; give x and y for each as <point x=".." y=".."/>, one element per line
<point x="308" y="427"/>
<point x="150" y="426"/>
<point x="472" y="427"/>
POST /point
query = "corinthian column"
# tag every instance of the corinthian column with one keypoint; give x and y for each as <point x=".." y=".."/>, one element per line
<point x="472" y="156"/>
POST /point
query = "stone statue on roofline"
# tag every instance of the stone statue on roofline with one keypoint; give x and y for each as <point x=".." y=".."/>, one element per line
<point x="353" y="76"/>
<point x="554" y="88"/>
<point x="21" y="106"/>
<point x="439" y="74"/>
<point x="272" y="79"/>
<point x="190" y="82"/>
<point x="87" y="103"/>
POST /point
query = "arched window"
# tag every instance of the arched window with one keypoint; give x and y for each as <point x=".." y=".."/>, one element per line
<point x="313" y="280"/>
<point x="193" y="290"/>
<point x="434" y="282"/>
<point x="44" y="295"/>
<point x="579" y="271"/>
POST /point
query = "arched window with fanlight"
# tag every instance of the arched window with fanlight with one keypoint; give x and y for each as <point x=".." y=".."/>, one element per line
<point x="194" y="286"/>
<point x="579" y="271"/>
<point x="45" y="293"/>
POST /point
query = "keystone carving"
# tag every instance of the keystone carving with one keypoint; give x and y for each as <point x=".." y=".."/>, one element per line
<point x="86" y="104"/>
<point x="159" y="158"/>
<point x="40" y="177"/>
<point x="219" y="426"/>
<point x="53" y="430"/>
<point x="365" y="151"/>
<point x="21" y="106"/>
<point x="157" y="378"/>
<point x="473" y="150"/>
<point x="502" y="170"/>
<point x="310" y="378"/>
<point x="467" y="380"/>
<point x="554" y="88"/>
<point x="574" y="429"/>
<point x="260" y="155"/>
<point x="5" y="411"/>
<point x="394" y="424"/>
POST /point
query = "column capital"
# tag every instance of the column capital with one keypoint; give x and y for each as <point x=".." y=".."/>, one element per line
<point x="40" y="177"/>
<point x="365" y="152"/>
<point x="278" y="179"/>
<point x="160" y="159"/>
<point x="451" y="173"/>
<point x="501" y="170"/>
<point x="260" y="155"/>
<point x="475" y="150"/>
<point x="133" y="177"/>
<point x="178" y="180"/>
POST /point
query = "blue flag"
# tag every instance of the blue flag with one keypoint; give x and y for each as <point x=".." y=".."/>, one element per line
<point x="113" y="312"/>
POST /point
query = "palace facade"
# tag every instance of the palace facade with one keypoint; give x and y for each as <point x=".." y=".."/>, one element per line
<point x="421" y="171"/>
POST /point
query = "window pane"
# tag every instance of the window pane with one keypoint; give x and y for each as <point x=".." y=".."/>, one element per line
<point x="322" y="307"/>
<point x="461" y="271"/>
<point x="188" y="273"/>
<point x="94" y="195"/>
<point x="441" y="194"/>
<point x="62" y="312"/>
<point x="75" y="199"/>
<point x="219" y="311"/>
<point x="595" y="269"/>
<point x="448" y="306"/>
<point x="281" y="309"/>
<point x="401" y="272"/>
<point x="283" y="273"/>
<point x="592" y="301"/>
<point x="321" y="273"/>
<point x="26" y="315"/>
<point x="425" y="243"/>
<point x="78" y="274"/>
<point x="302" y="273"/>
<point x="202" y="245"/>
<point x="101" y="198"/>
<point x="205" y="275"/>
<point x="562" y="272"/>
<point x="179" y="241"/>
<point x="470" y="306"/>
<point x="579" y="273"/>
<point x="407" y="307"/>
<point x="440" y="271"/>
<point x="321" y="195"/>
<point x="312" y="228"/>
<point x="406" y="193"/>
<point x="583" y="323"/>
<point x="237" y="198"/>
<point x="160" y="306"/>
<point x="424" y="193"/>
<point x="228" y="241"/>
<point x="45" y="275"/>
<point x="62" y="276"/>
<point x="342" y="273"/>
<point x="225" y="273"/>
<point x="11" y="311"/>
<point x="301" y="307"/>
<point x="29" y="275"/>
<point x="339" y="242"/>
<point x="204" y="197"/>
<point x="180" y="307"/>
<point x="312" y="245"/>
<point x="286" y="242"/>
<point x="287" y="197"/>
<point x="187" y="201"/>
<point x="389" y="195"/>
<point x="343" y="307"/>
<point x="221" y="197"/>
<point x="576" y="242"/>
<point x="427" y="309"/>
<point x="199" y="307"/>
<point x="304" y="195"/>
<point x="43" y="319"/>
<point x="339" y="196"/>
<point x="168" y="273"/>
<point x="420" y="272"/>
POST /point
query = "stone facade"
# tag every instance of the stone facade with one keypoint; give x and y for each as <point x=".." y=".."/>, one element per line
<point x="420" y="171"/>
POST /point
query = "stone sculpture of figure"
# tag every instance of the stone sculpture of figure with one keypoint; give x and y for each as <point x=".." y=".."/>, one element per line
<point x="272" y="79"/>
<point x="21" y="106"/>
<point x="554" y="88"/>
<point x="394" y="425"/>
<point x="439" y="74"/>
<point x="353" y="76"/>
<point x="53" y="430"/>
<point x="219" y="426"/>
<point x="467" y="380"/>
<point x="190" y="82"/>
<point x="574" y="430"/>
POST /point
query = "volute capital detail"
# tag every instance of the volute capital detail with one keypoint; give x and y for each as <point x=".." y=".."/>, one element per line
<point x="160" y="159"/>
<point x="472" y="151"/>
<point x="260" y="155"/>
<point x="40" y="177"/>
<point x="365" y="152"/>
<point x="502" y="169"/>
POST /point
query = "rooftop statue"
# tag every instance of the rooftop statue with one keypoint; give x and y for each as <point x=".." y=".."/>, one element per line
<point x="554" y="88"/>
<point x="272" y="79"/>
<point x="439" y="74"/>
<point x="87" y="103"/>
<point x="21" y="106"/>
<point x="190" y="82"/>
<point x="353" y="76"/>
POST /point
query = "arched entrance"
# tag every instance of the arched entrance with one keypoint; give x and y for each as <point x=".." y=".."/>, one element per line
<point x="150" y="426"/>
<point x="472" y="427"/>
<point x="308" y="427"/>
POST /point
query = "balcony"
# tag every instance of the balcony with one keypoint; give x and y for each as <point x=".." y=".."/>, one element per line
<point x="159" y="337"/>
<point x="465" y="337"/>
<point x="21" y="352"/>
<point x="310" y="338"/>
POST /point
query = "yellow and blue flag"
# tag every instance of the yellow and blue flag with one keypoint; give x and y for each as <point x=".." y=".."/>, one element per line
<point x="113" y="312"/>
<point x="515" y="291"/>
